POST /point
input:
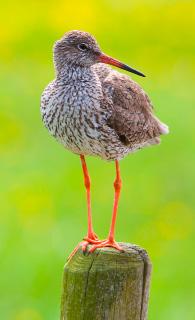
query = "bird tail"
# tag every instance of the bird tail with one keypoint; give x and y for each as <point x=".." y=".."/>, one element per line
<point x="164" y="129"/>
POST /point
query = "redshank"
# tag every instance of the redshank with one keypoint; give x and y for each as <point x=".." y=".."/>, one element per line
<point x="93" y="110"/>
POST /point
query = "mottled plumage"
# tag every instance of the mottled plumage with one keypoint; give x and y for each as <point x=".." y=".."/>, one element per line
<point x="94" y="110"/>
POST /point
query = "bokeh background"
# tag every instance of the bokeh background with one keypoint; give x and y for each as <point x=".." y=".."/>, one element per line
<point x="43" y="209"/>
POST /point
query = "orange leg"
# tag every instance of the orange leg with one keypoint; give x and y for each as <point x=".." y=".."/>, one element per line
<point x="110" y="241"/>
<point x="90" y="233"/>
<point x="91" y="237"/>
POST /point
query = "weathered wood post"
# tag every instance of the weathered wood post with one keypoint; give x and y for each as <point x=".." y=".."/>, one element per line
<point x="107" y="285"/>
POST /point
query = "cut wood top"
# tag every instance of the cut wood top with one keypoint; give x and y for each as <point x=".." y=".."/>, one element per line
<point x="107" y="284"/>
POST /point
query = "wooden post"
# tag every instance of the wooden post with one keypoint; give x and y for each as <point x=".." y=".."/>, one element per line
<point x="107" y="285"/>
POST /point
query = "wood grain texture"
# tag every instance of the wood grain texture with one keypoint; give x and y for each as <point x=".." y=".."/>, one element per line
<point x="107" y="285"/>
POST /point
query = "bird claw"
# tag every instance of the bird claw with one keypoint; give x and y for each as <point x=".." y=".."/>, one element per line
<point x="73" y="252"/>
<point x="95" y="245"/>
<point x="92" y="239"/>
<point x="106" y="243"/>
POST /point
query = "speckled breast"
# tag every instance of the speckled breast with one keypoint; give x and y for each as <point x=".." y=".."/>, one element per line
<point x="73" y="120"/>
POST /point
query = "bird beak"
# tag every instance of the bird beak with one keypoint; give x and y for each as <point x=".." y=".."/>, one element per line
<point x="109" y="60"/>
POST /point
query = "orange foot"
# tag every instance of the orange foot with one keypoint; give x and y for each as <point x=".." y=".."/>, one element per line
<point x="105" y="243"/>
<point x="89" y="239"/>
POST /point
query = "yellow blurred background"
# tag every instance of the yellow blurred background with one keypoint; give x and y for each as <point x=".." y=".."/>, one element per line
<point x="43" y="209"/>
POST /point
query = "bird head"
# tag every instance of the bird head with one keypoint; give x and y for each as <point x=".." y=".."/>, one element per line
<point x="78" y="48"/>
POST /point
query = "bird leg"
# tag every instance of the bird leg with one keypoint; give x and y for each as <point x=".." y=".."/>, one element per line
<point x="91" y="237"/>
<point x="110" y="241"/>
<point x="90" y="233"/>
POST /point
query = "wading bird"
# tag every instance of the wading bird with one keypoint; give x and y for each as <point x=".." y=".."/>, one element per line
<point x="94" y="110"/>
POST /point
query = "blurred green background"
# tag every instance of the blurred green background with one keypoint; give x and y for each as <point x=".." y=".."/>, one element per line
<point x="43" y="209"/>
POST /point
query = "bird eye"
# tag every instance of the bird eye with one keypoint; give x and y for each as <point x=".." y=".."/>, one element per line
<point x="82" y="46"/>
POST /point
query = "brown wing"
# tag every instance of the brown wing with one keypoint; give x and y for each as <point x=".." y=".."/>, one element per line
<point x="102" y="70"/>
<point x="132" y="116"/>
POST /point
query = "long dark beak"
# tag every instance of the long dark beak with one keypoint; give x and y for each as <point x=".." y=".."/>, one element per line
<point x="109" y="60"/>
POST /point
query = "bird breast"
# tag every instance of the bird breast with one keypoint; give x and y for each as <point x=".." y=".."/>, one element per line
<point x="72" y="113"/>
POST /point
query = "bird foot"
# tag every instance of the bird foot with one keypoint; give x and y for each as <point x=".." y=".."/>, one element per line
<point x="106" y="243"/>
<point x="89" y="239"/>
<point x="96" y="243"/>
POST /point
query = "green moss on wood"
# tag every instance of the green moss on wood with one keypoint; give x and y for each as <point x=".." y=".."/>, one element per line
<point x="106" y="285"/>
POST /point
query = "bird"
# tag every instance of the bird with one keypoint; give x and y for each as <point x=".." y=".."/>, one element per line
<point x="94" y="110"/>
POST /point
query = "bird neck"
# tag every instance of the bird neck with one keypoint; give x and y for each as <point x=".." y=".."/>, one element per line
<point x="74" y="73"/>
<point x="81" y="82"/>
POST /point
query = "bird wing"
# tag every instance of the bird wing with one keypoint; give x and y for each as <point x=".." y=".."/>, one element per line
<point x="132" y="112"/>
<point x="102" y="70"/>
